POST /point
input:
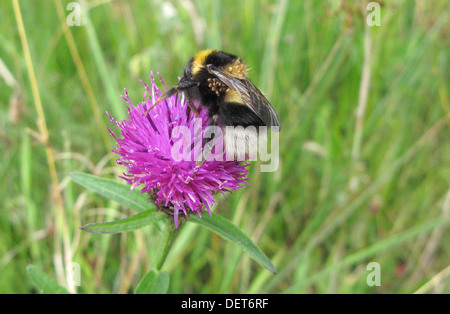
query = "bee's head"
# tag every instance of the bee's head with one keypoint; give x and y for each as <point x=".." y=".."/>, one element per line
<point x="227" y="63"/>
<point x="216" y="58"/>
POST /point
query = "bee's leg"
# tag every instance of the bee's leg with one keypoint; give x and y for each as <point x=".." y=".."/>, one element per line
<point x="189" y="98"/>
<point x="181" y="86"/>
<point x="164" y="96"/>
<point x="186" y="84"/>
<point x="192" y="106"/>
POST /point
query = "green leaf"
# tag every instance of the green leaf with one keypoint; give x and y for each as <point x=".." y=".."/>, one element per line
<point x="113" y="190"/>
<point x="153" y="283"/>
<point x="228" y="231"/>
<point x="43" y="282"/>
<point x="126" y="224"/>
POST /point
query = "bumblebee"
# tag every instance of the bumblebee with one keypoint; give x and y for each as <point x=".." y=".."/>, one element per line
<point x="219" y="81"/>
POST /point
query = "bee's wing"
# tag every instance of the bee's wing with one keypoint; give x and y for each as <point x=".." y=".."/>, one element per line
<point x="251" y="96"/>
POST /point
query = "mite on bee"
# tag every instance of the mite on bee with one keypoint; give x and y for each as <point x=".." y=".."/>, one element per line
<point x="219" y="81"/>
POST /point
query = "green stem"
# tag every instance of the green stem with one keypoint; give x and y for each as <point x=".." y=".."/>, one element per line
<point x="166" y="242"/>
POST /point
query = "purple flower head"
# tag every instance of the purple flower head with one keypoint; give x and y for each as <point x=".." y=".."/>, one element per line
<point x="146" y="149"/>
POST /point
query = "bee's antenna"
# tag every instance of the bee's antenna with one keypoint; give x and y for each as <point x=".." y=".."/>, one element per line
<point x="162" y="97"/>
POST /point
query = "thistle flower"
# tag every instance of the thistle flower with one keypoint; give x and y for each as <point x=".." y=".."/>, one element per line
<point x="146" y="149"/>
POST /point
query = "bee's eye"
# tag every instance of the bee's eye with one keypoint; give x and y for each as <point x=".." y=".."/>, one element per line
<point x="187" y="72"/>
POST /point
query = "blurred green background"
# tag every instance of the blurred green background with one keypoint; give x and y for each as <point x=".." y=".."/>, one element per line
<point x="364" y="148"/>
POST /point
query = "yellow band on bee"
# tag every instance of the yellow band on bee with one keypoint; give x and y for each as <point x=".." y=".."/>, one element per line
<point x="233" y="96"/>
<point x="199" y="60"/>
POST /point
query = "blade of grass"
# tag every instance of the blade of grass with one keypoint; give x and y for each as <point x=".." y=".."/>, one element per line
<point x="230" y="232"/>
<point x="363" y="94"/>
<point x="334" y="221"/>
<point x="271" y="49"/>
<point x="435" y="281"/>
<point x="381" y="246"/>
<point x="61" y="223"/>
<point x="105" y="75"/>
<point x="26" y="183"/>
<point x="83" y="76"/>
